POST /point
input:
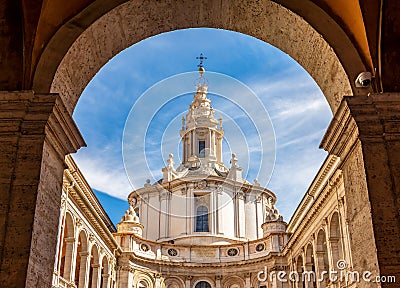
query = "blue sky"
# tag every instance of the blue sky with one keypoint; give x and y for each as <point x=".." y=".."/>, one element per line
<point x="297" y="110"/>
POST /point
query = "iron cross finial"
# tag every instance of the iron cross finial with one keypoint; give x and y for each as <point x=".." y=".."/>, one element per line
<point x="201" y="58"/>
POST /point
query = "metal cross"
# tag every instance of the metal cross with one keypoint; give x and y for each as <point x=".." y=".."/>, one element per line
<point x="201" y="58"/>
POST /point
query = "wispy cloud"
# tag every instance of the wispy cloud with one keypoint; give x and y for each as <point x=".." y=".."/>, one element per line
<point x="105" y="174"/>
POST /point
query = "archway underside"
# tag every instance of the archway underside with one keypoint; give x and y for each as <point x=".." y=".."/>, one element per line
<point x="132" y="22"/>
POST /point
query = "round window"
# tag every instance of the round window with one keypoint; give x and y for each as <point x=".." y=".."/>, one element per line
<point x="232" y="252"/>
<point x="172" y="252"/>
<point x="260" y="247"/>
<point x="144" y="247"/>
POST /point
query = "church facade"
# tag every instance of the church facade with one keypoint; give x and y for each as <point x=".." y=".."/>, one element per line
<point x="203" y="226"/>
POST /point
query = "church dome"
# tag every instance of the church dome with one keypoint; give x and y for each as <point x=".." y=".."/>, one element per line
<point x="202" y="201"/>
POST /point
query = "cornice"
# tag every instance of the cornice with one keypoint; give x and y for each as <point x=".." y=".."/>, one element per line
<point x="319" y="203"/>
<point x="377" y="116"/>
<point x="185" y="182"/>
<point x="326" y="171"/>
<point x="84" y="198"/>
<point x="31" y="114"/>
<point x="342" y="132"/>
<point x="62" y="131"/>
<point x="372" y="118"/>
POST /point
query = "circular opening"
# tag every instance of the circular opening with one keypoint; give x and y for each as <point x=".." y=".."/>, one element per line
<point x="232" y="252"/>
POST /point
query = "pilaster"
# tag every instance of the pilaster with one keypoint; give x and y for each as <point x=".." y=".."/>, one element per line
<point x="105" y="278"/>
<point x="36" y="132"/>
<point x="69" y="250"/>
<point x="95" y="275"/>
<point x="83" y="268"/>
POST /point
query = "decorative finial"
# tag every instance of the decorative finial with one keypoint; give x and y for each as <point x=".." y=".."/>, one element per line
<point x="201" y="68"/>
<point x="201" y="82"/>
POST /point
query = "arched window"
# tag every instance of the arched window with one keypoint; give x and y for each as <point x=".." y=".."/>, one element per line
<point x="202" y="219"/>
<point x="203" y="284"/>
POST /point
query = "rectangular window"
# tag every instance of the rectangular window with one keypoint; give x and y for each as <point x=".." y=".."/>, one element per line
<point x="202" y="149"/>
<point x="202" y="219"/>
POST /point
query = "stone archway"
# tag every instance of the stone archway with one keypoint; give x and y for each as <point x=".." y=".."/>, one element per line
<point x="132" y="22"/>
<point x="94" y="35"/>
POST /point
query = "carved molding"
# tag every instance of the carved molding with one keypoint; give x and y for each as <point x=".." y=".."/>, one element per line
<point x="41" y="114"/>
<point x="369" y="118"/>
<point x="342" y="132"/>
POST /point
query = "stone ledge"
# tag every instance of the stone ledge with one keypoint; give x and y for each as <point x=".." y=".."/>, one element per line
<point x="372" y="118"/>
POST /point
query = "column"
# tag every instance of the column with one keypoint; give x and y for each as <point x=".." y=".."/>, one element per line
<point x="260" y="215"/>
<point x="68" y="264"/>
<point x="213" y="143"/>
<point x="83" y="269"/>
<point x="124" y="277"/>
<point x="251" y="217"/>
<point x="240" y="215"/>
<point x="219" y="147"/>
<point x="320" y="268"/>
<point x="194" y="144"/>
<point x="208" y="143"/>
<point x="334" y="244"/>
<point x="184" y="148"/>
<point x="220" y="205"/>
<point x="309" y="279"/>
<point x="95" y="275"/>
<point x="105" y="280"/>
<point x="365" y="134"/>
<point x="36" y="132"/>
<point x="164" y="213"/>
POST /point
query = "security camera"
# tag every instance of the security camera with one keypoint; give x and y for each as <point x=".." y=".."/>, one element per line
<point x="363" y="79"/>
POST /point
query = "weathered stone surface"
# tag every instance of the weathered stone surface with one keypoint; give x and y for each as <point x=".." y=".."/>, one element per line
<point x="134" y="21"/>
<point x="30" y="185"/>
<point x="365" y="134"/>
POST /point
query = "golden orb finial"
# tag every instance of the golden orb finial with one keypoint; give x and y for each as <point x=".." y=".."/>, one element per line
<point x="201" y="70"/>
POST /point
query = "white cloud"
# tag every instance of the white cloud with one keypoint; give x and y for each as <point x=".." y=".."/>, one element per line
<point x="105" y="174"/>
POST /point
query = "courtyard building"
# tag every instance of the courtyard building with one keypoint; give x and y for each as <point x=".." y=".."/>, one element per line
<point x="203" y="225"/>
